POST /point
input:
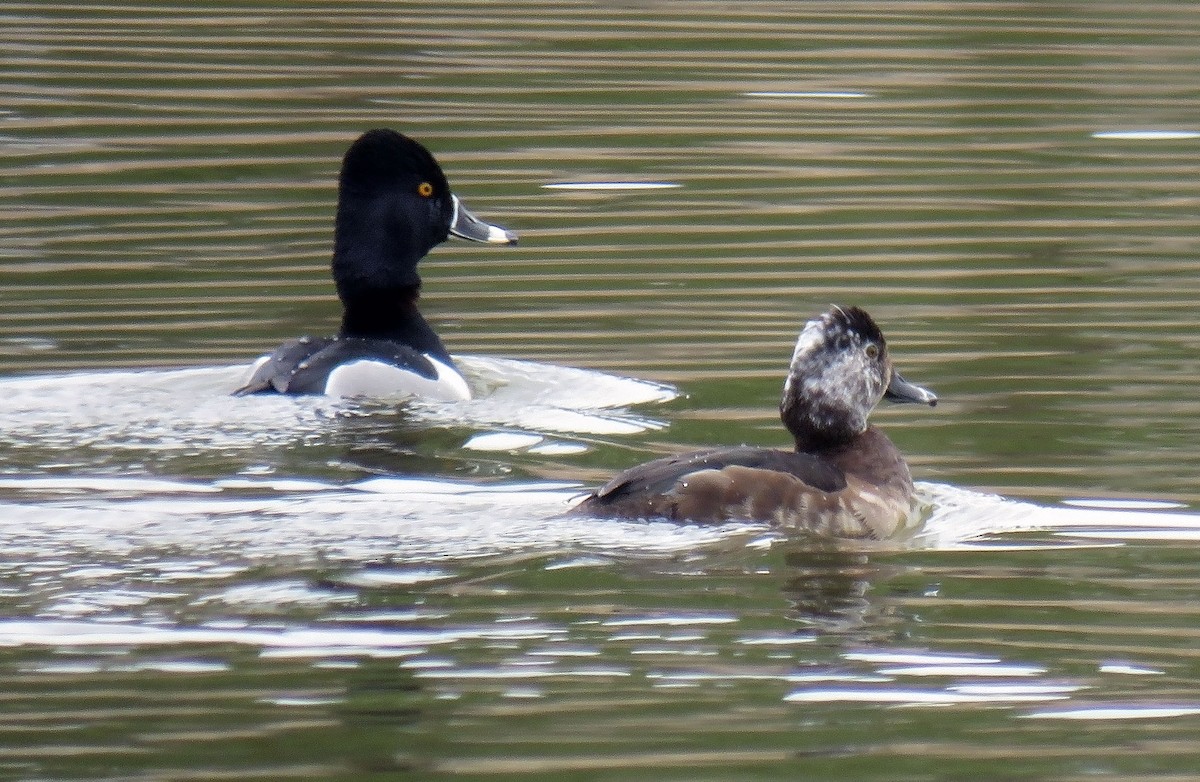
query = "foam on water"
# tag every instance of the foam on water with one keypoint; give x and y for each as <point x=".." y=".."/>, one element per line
<point x="431" y="519"/>
<point x="394" y="518"/>
<point x="963" y="519"/>
<point x="189" y="411"/>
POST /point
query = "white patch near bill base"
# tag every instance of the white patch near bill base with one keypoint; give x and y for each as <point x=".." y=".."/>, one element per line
<point x="497" y="235"/>
<point x="379" y="379"/>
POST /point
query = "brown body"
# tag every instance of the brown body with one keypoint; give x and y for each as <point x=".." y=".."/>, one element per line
<point x="859" y="489"/>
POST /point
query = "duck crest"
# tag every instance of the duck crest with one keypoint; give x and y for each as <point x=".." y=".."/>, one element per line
<point x="381" y="157"/>
<point x="837" y="330"/>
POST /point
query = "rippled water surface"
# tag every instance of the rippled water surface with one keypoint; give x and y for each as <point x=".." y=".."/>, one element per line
<point x="194" y="586"/>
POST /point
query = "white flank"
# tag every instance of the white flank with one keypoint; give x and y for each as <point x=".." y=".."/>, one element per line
<point x="378" y="379"/>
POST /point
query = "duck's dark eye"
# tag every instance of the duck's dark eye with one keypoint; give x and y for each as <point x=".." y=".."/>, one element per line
<point x="424" y="190"/>
<point x="872" y="351"/>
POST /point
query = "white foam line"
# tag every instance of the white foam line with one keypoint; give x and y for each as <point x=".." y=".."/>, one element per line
<point x="1139" y="534"/>
<point x="1123" y="504"/>
<point x="67" y="633"/>
<point x="971" y="669"/>
<point x="1147" y="135"/>
<point x="1065" y="518"/>
<point x="808" y="94"/>
<point x="1115" y="713"/>
<point x="148" y="485"/>
<point x="911" y="697"/>
<point x="920" y="658"/>
<point x="1130" y="670"/>
<point x="611" y="185"/>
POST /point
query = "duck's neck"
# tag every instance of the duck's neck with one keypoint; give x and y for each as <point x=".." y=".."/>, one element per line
<point x="390" y="315"/>
<point x="871" y="455"/>
<point x="820" y="433"/>
<point x="819" y="417"/>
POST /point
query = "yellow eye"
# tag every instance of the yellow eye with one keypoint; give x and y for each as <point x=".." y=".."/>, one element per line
<point x="425" y="190"/>
<point x="872" y="351"/>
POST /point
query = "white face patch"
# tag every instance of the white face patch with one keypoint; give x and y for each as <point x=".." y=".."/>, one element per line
<point x="811" y="339"/>
<point x="379" y="379"/>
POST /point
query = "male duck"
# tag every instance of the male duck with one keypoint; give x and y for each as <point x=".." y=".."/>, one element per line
<point x="394" y="206"/>
<point x="844" y="479"/>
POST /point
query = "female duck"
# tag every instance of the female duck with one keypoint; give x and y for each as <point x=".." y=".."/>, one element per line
<point x="844" y="479"/>
<point x="394" y="206"/>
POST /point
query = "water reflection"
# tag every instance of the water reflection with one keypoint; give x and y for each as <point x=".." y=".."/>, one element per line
<point x="828" y="587"/>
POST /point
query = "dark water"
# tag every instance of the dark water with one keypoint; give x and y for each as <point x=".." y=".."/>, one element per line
<point x="195" y="587"/>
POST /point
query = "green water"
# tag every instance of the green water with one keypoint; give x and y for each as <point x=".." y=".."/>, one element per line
<point x="966" y="172"/>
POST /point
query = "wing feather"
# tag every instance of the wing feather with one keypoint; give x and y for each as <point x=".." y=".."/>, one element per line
<point x="711" y="485"/>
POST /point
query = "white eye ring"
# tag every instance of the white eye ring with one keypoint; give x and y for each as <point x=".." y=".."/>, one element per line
<point x="872" y="350"/>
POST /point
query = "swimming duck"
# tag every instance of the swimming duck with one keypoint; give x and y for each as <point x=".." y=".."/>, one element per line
<point x="844" y="479"/>
<point x="394" y="205"/>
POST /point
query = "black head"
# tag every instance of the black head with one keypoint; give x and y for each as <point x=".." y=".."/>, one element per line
<point x="840" y="370"/>
<point x="394" y="206"/>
